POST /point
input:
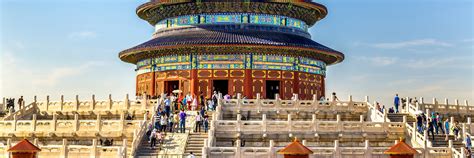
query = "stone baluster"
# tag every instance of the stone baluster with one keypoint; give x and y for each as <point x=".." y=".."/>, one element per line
<point x="47" y="102"/>
<point x="384" y="115"/>
<point x="36" y="142"/>
<point x="469" y="120"/>
<point x="313" y="122"/>
<point x="14" y="122"/>
<point x="33" y="123"/>
<point x="337" y="152"/>
<point x="205" y="148"/>
<point x="122" y="120"/>
<point x="290" y="127"/>
<point x="368" y="149"/>
<point x="339" y="122"/>
<point x="414" y="130"/>
<point x="451" y="121"/>
<point x="350" y="98"/>
<point x="126" y="102"/>
<point x="425" y="138"/>
<point x="264" y="122"/>
<point x="304" y="142"/>
<point x="237" y="150"/>
<point x="463" y="130"/>
<point x="456" y="102"/>
<point x="98" y="123"/>
<point x="315" y="98"/>
<point x="94" y="148"/>
<point x="124" y="146"/>
<point x="61" y="103"/>
<point x="77" y="103"/>
<point x="428" y="114"/>
<point x="466" y="103"/>
<point x="404" y="119"/>
<point x="64" y="149"/>
<point x="367" y="99"/>
<point x="55" y="121"/>
<point x="239" y="101"/>
<point x="257" y="101"/>
<point x="92" y="102"/>
<point x="239" y="117"/>
<point x="361" y="118"/>
<point x="272" y="147"/>
<point x="9" y="145"/>
<point x="76" y="122"/>
<point x="144" y="102"/>
<point x="450" y="143"/>
<point x="407" y="104"/>
<point x="110" y="101"/>
<point x="35" y="100"/>
<point x="277" y="97"/>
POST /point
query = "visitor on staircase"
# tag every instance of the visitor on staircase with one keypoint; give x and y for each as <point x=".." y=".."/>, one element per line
<point x="198" y="123"/>
<point x="163" y="123"/>
<point x="446" y="126"/>
<point x="206" y="123"/>
<point x="439" y="122"/>
<point x="396" y="102"/>
<point x="431" y="124"/>
<point x="456" y="128"/>
<point x="153" y="138"/>
<point x="171" y="122"/>
<point x="182" y="121"/>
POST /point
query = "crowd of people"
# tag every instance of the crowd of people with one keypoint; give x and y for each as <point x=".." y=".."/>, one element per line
<point x="10" y="103"/>
<point x="170" y="115"/>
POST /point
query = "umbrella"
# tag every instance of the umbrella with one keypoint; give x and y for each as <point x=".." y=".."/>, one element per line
<point x="177" y="91"/>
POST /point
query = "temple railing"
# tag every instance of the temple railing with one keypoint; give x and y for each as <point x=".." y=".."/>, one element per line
<point x="442" y="108"/>
<point x="138" y="135"/>
<point x="66" y="150"/>
<point x="66" y="126"/>
<point x="336" y="151"/>
<point x="259" y="104"/>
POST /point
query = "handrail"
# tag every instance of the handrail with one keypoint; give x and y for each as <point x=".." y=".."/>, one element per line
<point x="138" y="136"/>
<point x="28" y="109"/>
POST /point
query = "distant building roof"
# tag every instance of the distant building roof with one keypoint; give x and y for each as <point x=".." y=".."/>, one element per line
<point x="24" y="146"/>
<point x="401" y="148"/>
<point x="295" y="148"/>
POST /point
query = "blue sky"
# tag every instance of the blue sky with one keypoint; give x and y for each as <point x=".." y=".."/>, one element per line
<point x="411" y="47"/>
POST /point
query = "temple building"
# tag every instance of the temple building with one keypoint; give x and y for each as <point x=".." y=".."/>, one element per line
<point x="247" y="47"/>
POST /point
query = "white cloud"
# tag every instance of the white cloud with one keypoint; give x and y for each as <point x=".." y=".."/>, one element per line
<point x="412" y="43"/>
<point x="58" y="74"/>
<point x="82" y="35"/>
<point x="378" y="60"/>
<point x="458" y="62"/>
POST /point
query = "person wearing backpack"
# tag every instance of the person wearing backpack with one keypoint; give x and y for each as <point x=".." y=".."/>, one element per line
<point x="153" y="138"/>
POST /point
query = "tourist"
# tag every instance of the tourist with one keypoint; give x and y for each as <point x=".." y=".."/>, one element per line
<point x="106" y="142"/>
<point x="176" y="120"/>
<point x="215" y="96"/>
<point x="153" y="138"/>
<point x="377" y="106"/>
<point x="396" y="101"/>
<point x="129" y="117"/>
<point x="468" y="142"/>
<point x="322" y="99"/>
<point x="431" y="124"/>
<point x="210" y="104"/>
<point x="101" y="141"/>
<point x="20" y="102"/>
<point x="227" y="97"/>
<point x="383" y="108"/>
<point x="198" y="123"/>
<point x="334" y="97"/>
<point x="194" y="103"/>
<point x="446" y="126"/>
<point x="201" y="99"/>
<point x="111" y="142"/>
<point x="439" y="121"/>
<point x="206" y="123"/>
<point x="167" y="106"/>
<point x="419" y="123"/>
<point x="390" y="110"/>
<point x="163" y="123"/>
<point x="170" y="122"/>
<point x="456" y="129"/>
<point x="189" y="99"/>
<point x="203" y="111"/>
<point x="191" y="155"/>
<point x="182" y="121"/>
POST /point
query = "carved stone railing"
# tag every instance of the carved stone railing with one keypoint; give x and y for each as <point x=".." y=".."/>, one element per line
<point x="138" y="135"/>
<point x="442" y="108"/>
<point x="28" y="109"/>
<point x="336" y="151"/>
<point x="67" y="150"/>
<point x="291" y="105"/>
<point x="65" y="126"/>
<point x="289" y="126"/>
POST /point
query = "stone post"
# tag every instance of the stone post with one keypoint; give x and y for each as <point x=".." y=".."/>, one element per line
<point x="272" y="150"/>
<point x="337" y="152"/>
<point x="61" y="103"/>
<point x="110" y="102"/>
<point x="92" y="102"/>
<point x="144" y="102"/>
<point x="55" y="123"/>
<point x="407" y="104"/>
<point x="463" y="131"/>
<point x="76" y="122"/>
<point x="404" y="119"/>
<point x="258" y="100"/>
<point x="14" y="122"/>
<point x="450" y="143"/>
<point x="33" y="123"/>
<point x="205" y="148"/>
<point x="264" y="122"/>
<point x="304" y="142"/>
<point x="367" y="99"/>
<point x="98" y="123"/>
<point x="239" y="100"/>
<point x="64" y="150"/>
<point x="368" y="149"/>
<point x="122" y="120"/>
<point x="237" y="150"/>
<point x="425" y="136"/>
<point x="77" y="102"/>
<point x="94" y="148"/>
<point x="277" y="96"/>
<point x="239" y="117"/>
<point x="124" y="146"/>
<point x="446" y="101"/>
<point x="456" y="102"/>
<point x="289" y="123"/>
<point x="414" y="130"/>
<point x="126" y="102"/>
<point x="466" y="103"/>
<point x="4" y="104"/>
<point x="47" y="102"/>
<point x="469" y="120"/>
<point x="451" y="121"/>
<point x="384" y="115"/>
<point x="9" y="145"/>
<point x="315" y="97"/>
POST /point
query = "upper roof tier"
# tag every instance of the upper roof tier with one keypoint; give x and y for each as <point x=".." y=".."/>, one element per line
<point x="157" y="10"/>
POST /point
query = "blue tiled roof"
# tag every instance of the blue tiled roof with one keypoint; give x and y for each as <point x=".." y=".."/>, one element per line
<point x="207" y="35"/>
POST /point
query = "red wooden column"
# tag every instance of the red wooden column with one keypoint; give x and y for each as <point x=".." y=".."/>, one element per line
<point x="153" y="85"/>
<point x="323" y="87"/>
<point x="194" y="82"/>
<point x="296" y="80"/>
<point x="248" y="83"/>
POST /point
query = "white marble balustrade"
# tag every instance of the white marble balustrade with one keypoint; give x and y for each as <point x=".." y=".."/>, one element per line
<point x="443" y="108"/>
